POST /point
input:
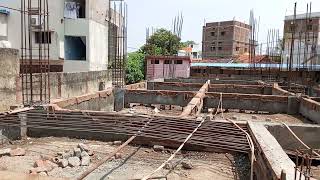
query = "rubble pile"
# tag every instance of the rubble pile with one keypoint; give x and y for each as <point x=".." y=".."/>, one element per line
<point x="12" y="152"/>
<point x="78" y="156"/>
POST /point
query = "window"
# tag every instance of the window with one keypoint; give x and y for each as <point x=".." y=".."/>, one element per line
<point x="212" y="48"/>
<point x="75" y="48"/>
<point x="42" y="37"/>
<point x="178" y="62"/>
<point x="237" y="48"/>
<point x="213" y="33"/>
<point x="245" y="49"/>
<point x="219" y="42"/>
<point x="223" y="33"/>
<point x="155" y="62"/>
<point x="219" y="48"/>
<point x="167" y="62"/>
<point x="309" y="27"/>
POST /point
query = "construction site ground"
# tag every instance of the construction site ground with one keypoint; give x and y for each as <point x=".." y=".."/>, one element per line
<point x="135" y="163"/>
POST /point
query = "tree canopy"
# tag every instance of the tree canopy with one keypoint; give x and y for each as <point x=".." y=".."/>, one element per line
<point x="162" y="42"/>
<point x="187" y="43"/>
<point x="135" y="67"/>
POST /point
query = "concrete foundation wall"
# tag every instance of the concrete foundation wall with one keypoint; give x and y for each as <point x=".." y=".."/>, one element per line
<point x="202" y="80"/>
<point x="254" y="102"/>
<point x="99" y="101"/>
<point x="9" y="63"/>
<point x="158" y="97"/>
<point x="309" y="134"/>
<point x="310" y="109"/>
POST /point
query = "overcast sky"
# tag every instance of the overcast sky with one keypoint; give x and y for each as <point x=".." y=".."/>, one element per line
<point x="160" y="13"/>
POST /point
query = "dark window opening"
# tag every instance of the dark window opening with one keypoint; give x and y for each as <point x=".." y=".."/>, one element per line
<point x="75" y="48"/>
<point x="212" y="48"/>
<point x="155" y="62"/>
<point x="237" y="48"/>
<point x="178" y="62"/>
<point x="223" y="33"/>
<point x="219" y="42"/>
<point x="213" y="33"/>
<point x="167" y="62"/>
<point x="245" y="49"/>
<point x="219" y="48"/>
<point x="309" y="27"/>
<point x="42" y="37"/>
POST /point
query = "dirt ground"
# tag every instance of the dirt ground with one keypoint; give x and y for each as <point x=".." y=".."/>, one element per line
<point x="135" y="163"/>
<point x="231" y="114"/>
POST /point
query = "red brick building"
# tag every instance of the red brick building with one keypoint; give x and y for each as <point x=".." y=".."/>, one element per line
<point x="167" y="67"/>
<point x="225" y="39"/>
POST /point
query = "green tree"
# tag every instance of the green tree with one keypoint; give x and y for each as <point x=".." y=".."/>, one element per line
<point x="162" y="42"/>
<point x="135" y="67"/>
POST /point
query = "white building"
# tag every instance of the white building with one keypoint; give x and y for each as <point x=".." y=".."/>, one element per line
<point x="78" y="36"/>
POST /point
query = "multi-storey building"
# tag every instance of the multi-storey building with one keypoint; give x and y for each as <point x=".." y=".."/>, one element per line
<point x="225" y="39"/>
<point x="303" y="31"/>
<point x="78" y="35"/>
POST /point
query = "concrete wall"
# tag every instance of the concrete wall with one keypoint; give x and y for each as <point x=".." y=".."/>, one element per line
<point x="226" y="88"/>
<point x="103" y="101"/>
<point x="213" y="81"/>
<point x="270" y="157"/>
<point x="158" y="97"/>
<point x="9" y="61"/>
<point x="309" y="134"/>
<point x="66" y="85"/>
<point x="310" y="109"/>
<point x="254" y="102"/>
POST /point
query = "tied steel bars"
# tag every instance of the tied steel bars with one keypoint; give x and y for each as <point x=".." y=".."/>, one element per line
<point x="117" y="40"/>
<point x="35" y="52"/>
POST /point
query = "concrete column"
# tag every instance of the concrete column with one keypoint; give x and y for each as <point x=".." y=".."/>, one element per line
<point x="9" y="63"/>
<point x="23" y="123"/>
<point x="119" y="99"/>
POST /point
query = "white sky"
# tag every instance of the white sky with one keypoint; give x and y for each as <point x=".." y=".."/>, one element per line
<point x="160" y="13"/>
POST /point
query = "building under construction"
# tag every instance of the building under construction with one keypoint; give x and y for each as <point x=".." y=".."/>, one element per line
<point x="250" y="122"/>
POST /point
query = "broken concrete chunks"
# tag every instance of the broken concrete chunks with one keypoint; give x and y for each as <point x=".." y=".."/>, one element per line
<point x="254" y="117"/>
<point x="118" y="155"/>
<point x="117" y="143"/>
<point x="77" y="152"/>
<point x="85" y="161"/>
<point x="84" y="154"/>
<point x="18" y="152"/>
<point x="5" y="152"/>
<point x="83" y="147"/>
<point x="44" y="165"/>
<point x="187" y="165"/>
<point x="67" y="154"/>
<point x="63" y="163"/>
<point x="158" y="148"/>
<point x="74" y="161"/>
